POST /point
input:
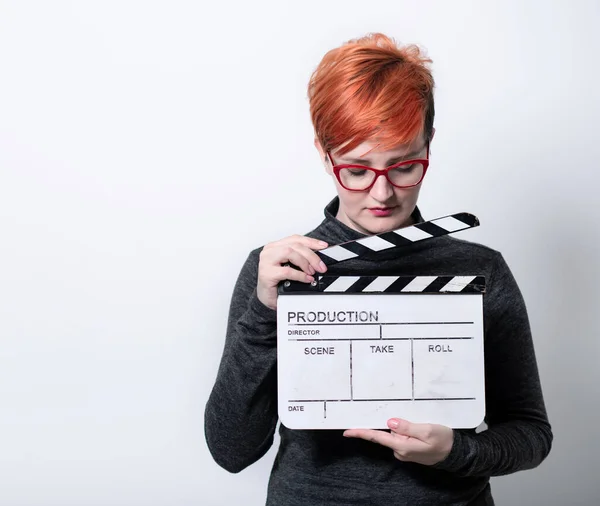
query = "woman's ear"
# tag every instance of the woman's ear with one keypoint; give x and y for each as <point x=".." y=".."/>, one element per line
<point x="429" y="143"/>
<point x="323" y="156"/>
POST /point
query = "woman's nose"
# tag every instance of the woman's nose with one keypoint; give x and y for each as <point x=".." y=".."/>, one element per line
<point x="382" y="190"/>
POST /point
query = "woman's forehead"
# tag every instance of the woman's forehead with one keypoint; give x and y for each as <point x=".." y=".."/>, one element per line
<point x="371" y="149"/>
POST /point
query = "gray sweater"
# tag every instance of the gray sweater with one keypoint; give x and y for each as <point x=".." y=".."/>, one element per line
<point x="321" y="467"/>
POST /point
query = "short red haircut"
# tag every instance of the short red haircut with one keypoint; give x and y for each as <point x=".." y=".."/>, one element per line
<point x="371" y="87"/>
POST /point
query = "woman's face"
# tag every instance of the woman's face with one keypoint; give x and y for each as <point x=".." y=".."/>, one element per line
<point x="383" y="207"/>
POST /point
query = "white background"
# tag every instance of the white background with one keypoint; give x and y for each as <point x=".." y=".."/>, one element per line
<point x="147" y="147"/>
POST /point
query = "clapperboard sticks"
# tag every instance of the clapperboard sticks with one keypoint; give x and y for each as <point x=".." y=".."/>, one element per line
<point x="396" y="239"/>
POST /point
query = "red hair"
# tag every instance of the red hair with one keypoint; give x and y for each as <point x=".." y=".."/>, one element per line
<point x="371" y="87"/>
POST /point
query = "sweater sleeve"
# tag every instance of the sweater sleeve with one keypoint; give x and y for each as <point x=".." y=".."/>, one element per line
<point x="241" y="413"/>
<point x="518" y="434"/>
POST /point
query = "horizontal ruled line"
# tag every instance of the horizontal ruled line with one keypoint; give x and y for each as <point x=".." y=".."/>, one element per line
<point x="317" y="324"/>
<point x="448" y="399"/>
<point x="382" y="339"/>
<point x="388" y="400"/>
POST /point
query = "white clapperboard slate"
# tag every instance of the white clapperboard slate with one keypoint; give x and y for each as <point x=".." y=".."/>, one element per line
<point x="354" y="351"/>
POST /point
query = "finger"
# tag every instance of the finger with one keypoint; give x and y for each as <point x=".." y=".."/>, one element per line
<point x="420" y="431"/>
<point x="375" y="436"/>
<point x="309" y="242"/>
<point x="314" y="259"/>
<point x="286" y="254"/>
<point x="291" y="274"/>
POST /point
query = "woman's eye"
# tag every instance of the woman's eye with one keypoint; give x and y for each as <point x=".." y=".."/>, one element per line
<point x="357" y="172"/>
<point x="404" y="169"/>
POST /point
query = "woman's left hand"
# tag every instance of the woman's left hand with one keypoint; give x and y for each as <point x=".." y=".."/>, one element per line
<point x="422" y="443"/>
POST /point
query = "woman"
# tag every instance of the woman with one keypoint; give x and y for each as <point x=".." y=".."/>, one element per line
<point x="372" y="105"/>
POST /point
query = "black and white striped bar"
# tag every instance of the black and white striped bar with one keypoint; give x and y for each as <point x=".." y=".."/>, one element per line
<point x="398" y="238"/>
<point x="390" y="284"/>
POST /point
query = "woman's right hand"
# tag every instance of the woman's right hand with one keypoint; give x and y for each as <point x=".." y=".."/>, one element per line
<point x="298" y="250"/>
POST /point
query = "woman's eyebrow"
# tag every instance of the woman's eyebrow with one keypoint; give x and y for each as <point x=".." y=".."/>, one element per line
<point x="391" y="161"/>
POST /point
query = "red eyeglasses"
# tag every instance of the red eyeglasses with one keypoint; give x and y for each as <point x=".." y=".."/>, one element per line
<point x="359" y="178"/>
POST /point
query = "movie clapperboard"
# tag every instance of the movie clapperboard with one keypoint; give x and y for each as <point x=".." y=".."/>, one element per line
<point x="354" y="351"/>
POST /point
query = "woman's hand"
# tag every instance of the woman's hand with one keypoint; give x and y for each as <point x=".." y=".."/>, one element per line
<point x="298" y="250"/>
<point x="422" y="443"/>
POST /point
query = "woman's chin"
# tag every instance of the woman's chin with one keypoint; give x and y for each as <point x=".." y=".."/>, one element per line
<point x="378" y="225"/>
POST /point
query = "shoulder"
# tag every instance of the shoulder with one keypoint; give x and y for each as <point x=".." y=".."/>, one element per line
<point x="315" y="233"/>
<point x="464" y="244"/>
<point x="249" y="269"/>
<point x="481" y="255"/>
<point x="458" y="255"/>
<point x="473" y="249"/>
<point x="501" y="285"/>
<point x="254" y="254"/>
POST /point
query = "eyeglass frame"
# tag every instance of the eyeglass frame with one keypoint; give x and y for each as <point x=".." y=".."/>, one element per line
<point x="379" y="172"/>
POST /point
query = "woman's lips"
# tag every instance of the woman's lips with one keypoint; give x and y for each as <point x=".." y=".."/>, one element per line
<point x="381" y="211"/>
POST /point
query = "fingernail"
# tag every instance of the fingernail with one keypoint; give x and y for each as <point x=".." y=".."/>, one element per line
<point x="322" y="266"/>
<point x="309" y="279"/>
<point x="393" y="423"/>
<point x="311" y="269"/>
